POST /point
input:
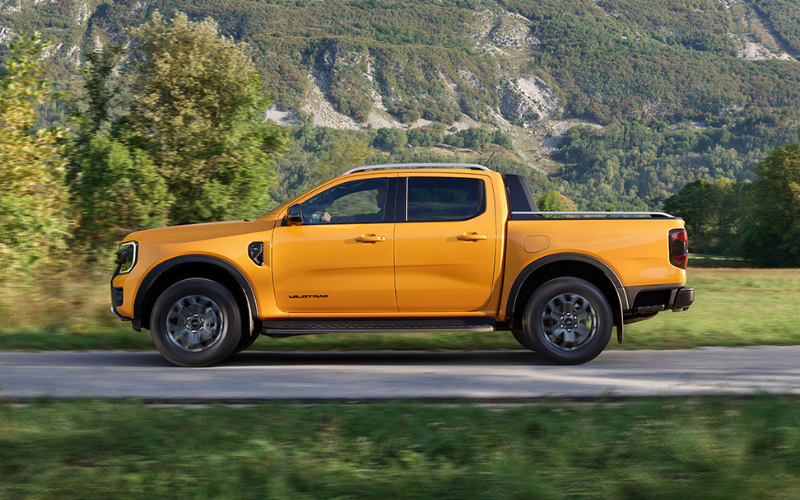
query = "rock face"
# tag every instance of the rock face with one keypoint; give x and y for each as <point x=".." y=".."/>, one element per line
<point x="527" y="100"/>
<point x="346" y="82"/>
<point x="513" y="34"/>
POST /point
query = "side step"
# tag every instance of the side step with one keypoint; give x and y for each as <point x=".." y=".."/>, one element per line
<point x="374" y="325"/>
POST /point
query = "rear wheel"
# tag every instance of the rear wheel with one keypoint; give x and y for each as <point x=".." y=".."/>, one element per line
<point x="196" y="322"/>
<point x="568" y="321"/>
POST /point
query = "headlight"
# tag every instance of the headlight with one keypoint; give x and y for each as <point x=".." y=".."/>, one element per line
<point x="126" y="256"/>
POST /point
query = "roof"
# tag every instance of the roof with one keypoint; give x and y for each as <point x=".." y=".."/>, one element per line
<point x="394" y="166"/>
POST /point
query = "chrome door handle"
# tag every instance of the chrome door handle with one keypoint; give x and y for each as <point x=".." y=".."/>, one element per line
<point x="471" y="237"/>
<point x="370" y="239"/>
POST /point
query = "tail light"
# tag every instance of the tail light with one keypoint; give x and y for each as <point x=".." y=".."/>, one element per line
<point x="678" y="248"/>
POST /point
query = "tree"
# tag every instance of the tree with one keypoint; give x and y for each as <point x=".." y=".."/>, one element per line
<point x="713" y="212"/>
<point x="553" y="201"/>
<point x="343" y="156"/>
<point x="392" y="140"/>
<point x="691" y="203"/>
<point x="195" y="110"/>
<point x="33" y="221"/>
<point x="118" y="191"/>
<point x="771" y="236"/>
<point x="114" y="185"/>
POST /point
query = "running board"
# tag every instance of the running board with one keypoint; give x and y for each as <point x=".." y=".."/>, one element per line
<point x="375" y="325"/>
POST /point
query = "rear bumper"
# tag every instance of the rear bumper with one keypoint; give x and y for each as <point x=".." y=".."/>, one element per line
<point x="684" y="297"/>
<point x="648" y="300"/>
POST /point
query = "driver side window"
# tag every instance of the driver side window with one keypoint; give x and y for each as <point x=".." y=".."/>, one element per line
<point x="351" y="202"/>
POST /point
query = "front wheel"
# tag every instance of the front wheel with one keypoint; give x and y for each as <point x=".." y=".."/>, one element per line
<point x="568" y="321"/>
<point x="520" y="337"/>
<point x="245" y="342"/>
<point x="196" y="322"/>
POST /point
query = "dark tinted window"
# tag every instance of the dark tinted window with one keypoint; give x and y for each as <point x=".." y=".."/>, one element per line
<point x="444" y="198"/>
<point x="352" y="202"/>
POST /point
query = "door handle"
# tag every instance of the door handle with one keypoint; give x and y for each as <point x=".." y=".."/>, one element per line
<point x="370" y="238"/>
<point x="471" y="237"/>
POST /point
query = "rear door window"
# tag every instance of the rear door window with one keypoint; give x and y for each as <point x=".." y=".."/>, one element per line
<point x="433" y="199"/>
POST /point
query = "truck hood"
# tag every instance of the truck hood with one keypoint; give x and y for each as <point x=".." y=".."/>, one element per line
<point x="200" y="232"/>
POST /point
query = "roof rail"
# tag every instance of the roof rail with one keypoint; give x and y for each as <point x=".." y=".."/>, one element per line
<point x="470" y="166"/>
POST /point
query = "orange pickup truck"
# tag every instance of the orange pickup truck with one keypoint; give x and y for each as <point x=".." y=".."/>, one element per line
<point x="404" y="248"/>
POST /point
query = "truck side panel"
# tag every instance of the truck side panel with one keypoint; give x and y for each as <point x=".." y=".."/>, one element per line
<point x="636" y="250"/>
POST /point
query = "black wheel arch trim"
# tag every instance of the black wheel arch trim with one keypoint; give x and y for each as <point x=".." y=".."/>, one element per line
<point x="162" y="267"/>
<point x="562" y="257"/>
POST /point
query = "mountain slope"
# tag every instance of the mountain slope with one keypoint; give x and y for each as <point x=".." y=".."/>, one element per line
<point x="532" y="68"/>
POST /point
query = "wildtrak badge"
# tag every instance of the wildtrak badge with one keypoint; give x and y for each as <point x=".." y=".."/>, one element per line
<point x="308" y="296"/>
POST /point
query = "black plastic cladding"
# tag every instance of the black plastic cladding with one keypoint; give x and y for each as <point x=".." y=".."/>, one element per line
<point x="144" y="288"/>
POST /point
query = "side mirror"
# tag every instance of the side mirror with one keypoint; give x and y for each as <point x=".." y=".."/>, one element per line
<point x="295" y="215"/>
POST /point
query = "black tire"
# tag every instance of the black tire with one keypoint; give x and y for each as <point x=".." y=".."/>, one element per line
<point x="196" y="322"/>
<point x="568" y="321"/>
<point x="245" y="342"/>
<point x="520" y="337"/>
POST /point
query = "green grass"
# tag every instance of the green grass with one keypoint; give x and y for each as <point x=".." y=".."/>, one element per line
<point x="700" y="260"/>
<point x="733" y="307"/>
<point x="659" y="449"/>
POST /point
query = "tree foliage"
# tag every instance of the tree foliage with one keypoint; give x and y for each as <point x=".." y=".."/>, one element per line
<point x="634" y="166"/>
<point x="771" y="237"/>
<point x="114" y="184"/>
<point x="553" y="201"/>
<point x="392" y="140"/>
<point x="713" y="212"/>
<point x="784" y="16"/>
<point x="343" y="156"/>
<point x="195" y="107"/>
<point x="188" y="142"/>
<point x="759" y="221"/>
<point x="33" y="220"/>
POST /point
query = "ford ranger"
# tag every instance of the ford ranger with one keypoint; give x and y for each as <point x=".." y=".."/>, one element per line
<point x="403" y="248"/>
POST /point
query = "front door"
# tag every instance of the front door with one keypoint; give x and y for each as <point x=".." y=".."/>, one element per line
<point x="341" y="258"/>
<point x="445" y="244"/>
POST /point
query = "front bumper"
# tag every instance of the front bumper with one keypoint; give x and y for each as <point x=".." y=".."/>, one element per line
<point x="117" y="315"/>
<point x="117" y="297"/>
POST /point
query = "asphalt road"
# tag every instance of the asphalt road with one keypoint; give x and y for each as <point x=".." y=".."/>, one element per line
<point x="363" y="376"/>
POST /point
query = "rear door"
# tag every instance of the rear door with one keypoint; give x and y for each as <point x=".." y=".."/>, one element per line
<point x="445" y="239"/>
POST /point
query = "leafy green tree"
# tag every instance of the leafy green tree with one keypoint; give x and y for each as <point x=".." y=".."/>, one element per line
<point x="392" y="140"/>
<point x="712" y="212"/>
<point x="114" y="185"/>
<point x="195" y="111"/>
<point x="343" y="156"/>
<point x="91" y="112"/>
<point x="771" y="237"/>
<point x="553" y="201"/>
<point x="33" y="221"/>
<point x="118" y="191"/>
<point x="691" y="204"/>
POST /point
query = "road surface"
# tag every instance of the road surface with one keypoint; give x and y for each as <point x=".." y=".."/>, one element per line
<point x="418" y="375"/>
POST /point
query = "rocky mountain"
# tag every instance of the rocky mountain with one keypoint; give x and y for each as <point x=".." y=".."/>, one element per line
<point x="633" y="78"/>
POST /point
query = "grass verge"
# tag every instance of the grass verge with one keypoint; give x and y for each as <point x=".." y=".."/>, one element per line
<point x="733" y="307"/>
<point x="660" y="449"/>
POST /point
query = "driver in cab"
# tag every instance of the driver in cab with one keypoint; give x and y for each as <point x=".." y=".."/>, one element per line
<point x="355" y="212"/>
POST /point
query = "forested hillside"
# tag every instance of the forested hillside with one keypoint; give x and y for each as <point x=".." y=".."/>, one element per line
<point x="613" y="103"/>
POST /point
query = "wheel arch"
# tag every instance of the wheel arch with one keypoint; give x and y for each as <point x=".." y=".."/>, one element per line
<point x="573" y="265"/>
<point x="216" y="269"/>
